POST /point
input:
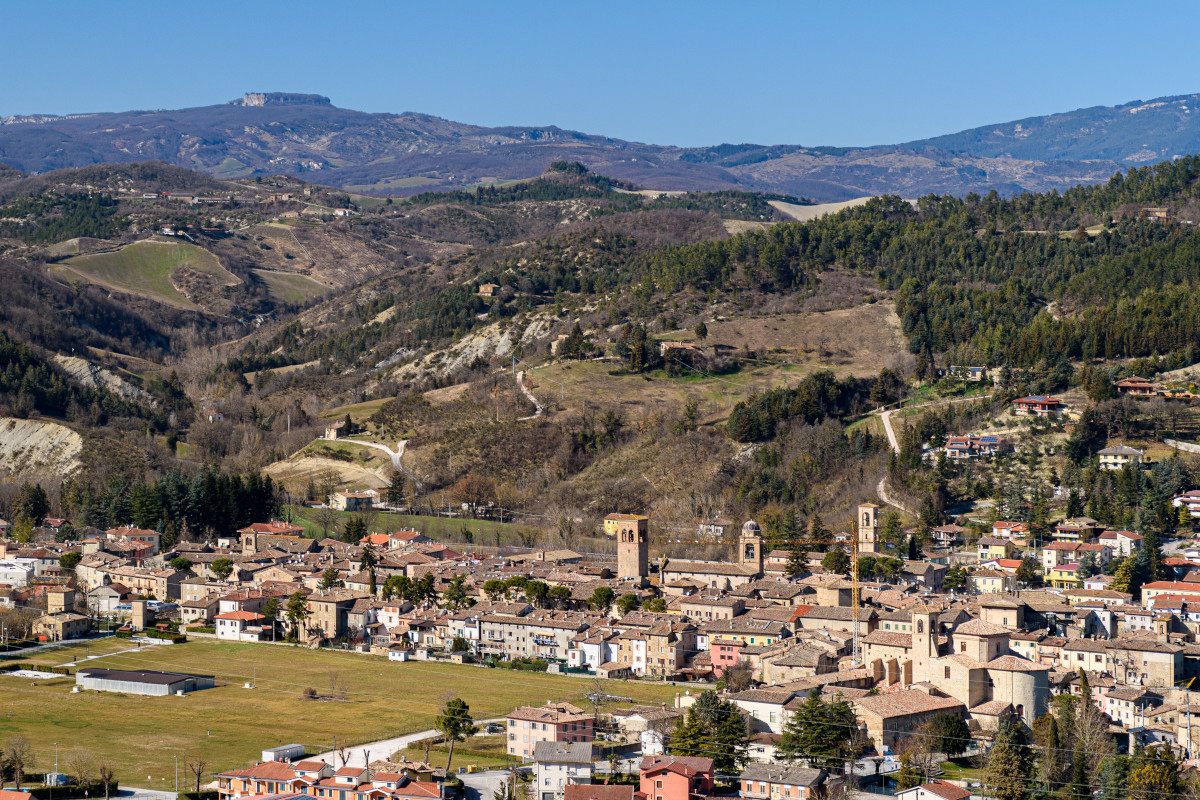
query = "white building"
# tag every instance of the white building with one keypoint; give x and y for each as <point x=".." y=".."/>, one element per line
<point x="17" y="571"/>
<point x="560" y="764"/>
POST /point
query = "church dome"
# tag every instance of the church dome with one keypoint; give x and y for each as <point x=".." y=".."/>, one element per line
<point x="751" y="528"/>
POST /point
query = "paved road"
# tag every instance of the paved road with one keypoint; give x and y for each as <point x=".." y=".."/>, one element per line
<point x="886" y="418"/>
<point x="364" y="754"/>
<point x="395" y="455"/>
<point x="483" y="785"/>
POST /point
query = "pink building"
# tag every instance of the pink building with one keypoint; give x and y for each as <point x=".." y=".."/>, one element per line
<point x="675" y="778"/>
<point x="553" y="722"/>
<point x="725" y="654"/>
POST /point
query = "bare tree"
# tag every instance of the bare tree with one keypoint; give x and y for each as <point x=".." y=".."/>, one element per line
<point x="196" y="765"/>
<point x="325" y="517"/>
<point x="335" y="686"/>
<point x="739" y="676"/>
<point x="343" y="754"/>
<point x="18" y="755"/>
<point x="107" y="776"/>
<point x="81" y="765"/>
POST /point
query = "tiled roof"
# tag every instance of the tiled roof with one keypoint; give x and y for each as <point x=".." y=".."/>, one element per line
<point x="945" y="790"/>
<point x="900" y="704"/>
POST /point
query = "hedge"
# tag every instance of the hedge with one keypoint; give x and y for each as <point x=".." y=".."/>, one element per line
<point x="524" y="664"/>
<point x="202" y="629"/>
<point x="93" y="790"/>
<point x="205" y="795"/>
<point x="12" y="667"/>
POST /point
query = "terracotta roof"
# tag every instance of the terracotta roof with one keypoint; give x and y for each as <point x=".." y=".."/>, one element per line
<point x="905" y="703"/>
<point x="945" y="790"/>
<point x="978" y="627"/>
<point x="684" y="765"/>
<point x="589" y="791"/>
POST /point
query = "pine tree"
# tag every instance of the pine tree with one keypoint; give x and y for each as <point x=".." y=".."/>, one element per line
<point x="395" y="489"/>
<point x="797" y="563"/>
<point x="1008" y="774"/>
<point x="688" y="736"/>
<point x="1049" y="748"/>
<point x="731" y="742"/>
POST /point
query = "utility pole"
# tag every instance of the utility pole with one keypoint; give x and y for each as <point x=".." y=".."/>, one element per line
<point x="177" y="773"/>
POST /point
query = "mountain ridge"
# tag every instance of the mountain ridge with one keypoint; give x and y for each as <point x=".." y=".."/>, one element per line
<point x="399" y="154"/>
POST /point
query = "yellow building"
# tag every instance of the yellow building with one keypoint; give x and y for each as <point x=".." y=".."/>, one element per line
<point x="612" y="523"/>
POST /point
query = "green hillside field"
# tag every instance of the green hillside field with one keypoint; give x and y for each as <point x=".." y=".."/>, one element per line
<point x="144" y="268"/>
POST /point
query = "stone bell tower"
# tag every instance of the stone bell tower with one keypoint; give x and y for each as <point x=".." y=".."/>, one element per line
<point x="868" y="528"/>
<point x="750" y="548"/>
<point x="633" y="547"/>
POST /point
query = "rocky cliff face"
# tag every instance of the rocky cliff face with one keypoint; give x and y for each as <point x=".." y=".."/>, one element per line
<point x="281" y="99"/>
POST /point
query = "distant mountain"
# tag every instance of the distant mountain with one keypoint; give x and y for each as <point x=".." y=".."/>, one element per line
<point x="306" y="135"/>
<point x="1131" y="134"/>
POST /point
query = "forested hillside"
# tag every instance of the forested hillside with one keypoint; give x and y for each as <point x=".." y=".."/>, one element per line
<point x="678" y="366"/>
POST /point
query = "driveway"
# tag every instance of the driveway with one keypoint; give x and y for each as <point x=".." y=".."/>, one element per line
<point x="364" y="754"/>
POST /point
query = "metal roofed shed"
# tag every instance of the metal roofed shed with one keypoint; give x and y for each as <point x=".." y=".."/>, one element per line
<point x="147" y="682"/>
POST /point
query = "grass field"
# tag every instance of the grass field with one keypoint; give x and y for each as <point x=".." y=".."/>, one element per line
<point x="230" y="725"/>
<point x="289" y="287"/>
<point x="485" y="752"/>
<point x="440" y="529"/>
<point x="144" y="268"/>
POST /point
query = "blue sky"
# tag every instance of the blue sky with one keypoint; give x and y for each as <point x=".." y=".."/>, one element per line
<point x="694" y="73"/>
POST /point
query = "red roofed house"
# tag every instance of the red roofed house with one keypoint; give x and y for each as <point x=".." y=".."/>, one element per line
<point x="1186" y="590"/>
<point x="556" y="722"/>
<point x="675" y="777"/>
<point x="9" y="794"/>
<point x="251" y="533"/>
<point x="318" y="779"/>
<point x="1039" y="406"/>
<point x="1190" y="498"/>
<point x="934" y="790"/>
<point x="1010" y="530"/>
<point x="1136" y="386"/>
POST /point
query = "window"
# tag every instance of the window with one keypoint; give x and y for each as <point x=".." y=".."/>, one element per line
<point x="658" y="784"/>
<point x="947" y="673"/>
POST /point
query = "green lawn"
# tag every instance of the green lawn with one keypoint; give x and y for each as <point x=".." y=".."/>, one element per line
<point x="437" y="528"/>
<point x="485" y="752"/>
<point x="144" y="268"/>
<point x="230" y="725"/>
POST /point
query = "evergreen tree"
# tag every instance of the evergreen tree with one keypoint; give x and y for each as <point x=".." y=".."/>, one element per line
<point x="688" y="737"/>
<point x="907" y="777"/>
<point x="1008" y="774"/>
<point x="797" y="563"/>
<point x="836" y="561"/>
<point x="1114" y="778"/>
<point x="395" y="489"/>
<point x="354" y="529"/>
<point x="1154" y="773"/>
<point x="1050" y="754"/>
<point x="731" y="741"/>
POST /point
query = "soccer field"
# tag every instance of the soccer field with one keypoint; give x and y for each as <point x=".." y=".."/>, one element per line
<point x="229" y="726"/>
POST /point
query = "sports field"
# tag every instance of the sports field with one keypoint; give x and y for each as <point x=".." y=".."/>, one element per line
<point x="230" y="725"/>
